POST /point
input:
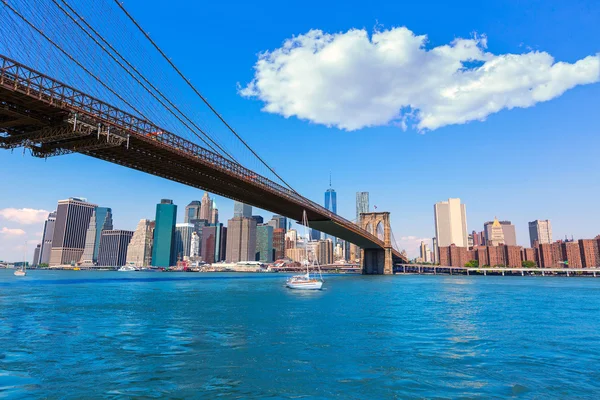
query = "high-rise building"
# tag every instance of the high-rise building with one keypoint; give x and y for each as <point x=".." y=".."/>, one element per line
<point x="278" y="243"/>
<point x="214" y="216"/>
<point x="162" y="248"/>
<point x="508" y="233"/>
<point x="36" y="255"/>
<point x="450" y="223"/>
<point x="87" y="258"/>
<point x="315" y="234"/>
<point x="540" y="232"/>
<point x="214" y="243"/>
<point x="259" y="219"/>
<point x="192" y="211"/>
<point x="47" y="238"/>
<point x="324" y="252"/>
<point x="362" y="204"/>
<point x="331" y="205"/>
<point x="206" y="207"/>
<point x="195" y="246"/>
<point x="496" y="234"/>
<point x="264" y="243"/>
<point x="241" y="239"/>
<point x="291" y="237"/>
<point x="139" y="251"/>
<point x="182" y="241"/>
<point x="72" y="220"/>
<point x="425" y="253"/>
<point x="242" y="210"/>
<point x="113" y="248"/>
<point x="436" y="251"/>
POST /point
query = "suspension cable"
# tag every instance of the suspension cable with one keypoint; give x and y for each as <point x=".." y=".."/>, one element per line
<point x="189" y="83"/>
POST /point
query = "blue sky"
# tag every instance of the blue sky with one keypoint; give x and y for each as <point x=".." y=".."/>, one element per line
<point x="518" y="164"/>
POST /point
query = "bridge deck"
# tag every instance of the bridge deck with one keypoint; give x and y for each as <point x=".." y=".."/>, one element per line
<point x="52" y="118"/>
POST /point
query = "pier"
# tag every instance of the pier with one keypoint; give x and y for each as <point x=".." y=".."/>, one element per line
<point x="503" y="271"/>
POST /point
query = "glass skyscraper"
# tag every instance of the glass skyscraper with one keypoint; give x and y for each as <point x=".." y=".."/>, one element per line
<point x="331" y="200"/>
<point x="166" y="217"/>
<point x="362" y="204"/>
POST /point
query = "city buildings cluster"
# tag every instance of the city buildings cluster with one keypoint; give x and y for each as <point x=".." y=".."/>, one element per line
<point x="496" y="244"/>
<point x="81" y="233"/>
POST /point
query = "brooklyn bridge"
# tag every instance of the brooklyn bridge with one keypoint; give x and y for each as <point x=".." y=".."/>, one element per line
<point x="51" y="116"/>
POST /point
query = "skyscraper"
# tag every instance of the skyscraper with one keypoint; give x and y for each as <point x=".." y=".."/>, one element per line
<point x="264" y="243"/>
<point x="214" y="241"/>
<point x="436" y="251"/>
<point x="540" y="231"/>
<point x="278" y="243"/>
<point x="87" y="258"/>
<point x="362" y="204"/>
<point x="182" y="241"/>
<point x="195" y="246"/>
<point x="72" y="220"/>
<point x="496" y="236"/>
<point x="206" y="207"/>
<point x="214" y="216"/>
<point x="113" y="248"/>
<point x="508" y="233"/>
<point x="279" y="221"/>
<point x="166" y="216"/>
<point x="425" y="252"/>
<point x="192" y="211"/>
<point x="315" y="234"/>
<point x="241" y="239"/>
<point x="330" y="204"/>
<point x="450" y="223"/>
<point x="139" y="251"/>
<point x="36" y="255"/>
<point x="104" y="222"/>
<point x="242" y="210"/>
<point x="259" y="219"/>
<point x="47" y="238"/>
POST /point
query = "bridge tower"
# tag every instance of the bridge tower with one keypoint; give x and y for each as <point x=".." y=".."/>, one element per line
<point x="377" y="261"/>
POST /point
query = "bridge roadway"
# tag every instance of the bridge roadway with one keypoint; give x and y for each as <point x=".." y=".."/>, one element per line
<point x="52" y="118"/>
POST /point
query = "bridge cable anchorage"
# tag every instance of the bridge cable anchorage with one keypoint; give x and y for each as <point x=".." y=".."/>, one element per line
<point x="76" y="14"/>
<point x="189" y="83"/>
<point x="90" y="73"/>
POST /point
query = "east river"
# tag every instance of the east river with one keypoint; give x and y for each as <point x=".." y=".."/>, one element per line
<point x="79" y="334"/>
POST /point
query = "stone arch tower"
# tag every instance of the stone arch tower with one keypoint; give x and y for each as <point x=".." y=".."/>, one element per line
<point x="377" y="261"/>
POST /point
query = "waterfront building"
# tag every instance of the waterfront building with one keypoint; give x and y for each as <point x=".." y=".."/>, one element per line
<point x="540" y="232"/>
<point x="264" y="243"/>
<point x="278" y="243"/>
<point x="450" y="223"/>
<point x="36" y="255"/>
<point x="47" y="236"/>
<point x="214" y="243"/>
<point x="72" y="220"/>
<point x="496" y="234"/>
<point x="162" y="249"/>
<point x="362" y="204"/>
<point x="436" y="254"/>
<point x="291" y="239"/>
<point x="590" y="253"/>
<point x="214" y="216"/>
<point x="509" y="236"/>
<point x="424" y="252"/>
<point x="259" y="219"/>
<point x="182" y="241"/>
<point x="192" y="211"/>
<point x="241" y="239"/>
<point x="195" y="246"/>
<point x="572" y="254"/>
<point x="87" y="258"/>
<point x="297" y="254"/>
<point x="324" y="252"/>
<point x="139" y="251"/>
<point x="113" y="248"/>
<point x="205" y="207"/>
<point x="241" y="210"/>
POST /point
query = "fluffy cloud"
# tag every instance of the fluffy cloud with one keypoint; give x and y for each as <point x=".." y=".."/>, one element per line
<point x="351" y="81"/>
<point x="12" y="232"/>
<point x="24" y="216"/>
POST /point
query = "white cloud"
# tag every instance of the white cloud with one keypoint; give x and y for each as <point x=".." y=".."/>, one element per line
<point x="351" y="81"/>
<point x="24" y="216"/>
<point x="12" y="232"/>
<point x="412" y="245"/>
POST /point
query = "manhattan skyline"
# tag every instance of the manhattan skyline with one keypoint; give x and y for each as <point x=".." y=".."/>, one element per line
<point x="547" y="150"/>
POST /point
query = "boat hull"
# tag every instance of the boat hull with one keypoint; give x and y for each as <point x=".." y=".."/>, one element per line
<point x="20" y="273"/>
<point x="316" y="285"/>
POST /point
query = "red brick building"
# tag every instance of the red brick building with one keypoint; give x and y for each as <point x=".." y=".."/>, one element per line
<point x="512" y="256"/>
<point x="590" y="256"/>
<point x="572" y="254"/>
<point x="496" y="255"/>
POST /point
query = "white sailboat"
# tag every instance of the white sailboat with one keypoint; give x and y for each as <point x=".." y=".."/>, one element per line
<point x="306" y="282"/>
<point x="22" y="271"/>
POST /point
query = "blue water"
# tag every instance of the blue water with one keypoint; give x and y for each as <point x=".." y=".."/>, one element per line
<point x="116" y="335"/>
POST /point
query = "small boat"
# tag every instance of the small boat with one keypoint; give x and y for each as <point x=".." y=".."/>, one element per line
<point x="305" y="282"/>
<point x="127" y="268"/>
<point x="22" y="271"/>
